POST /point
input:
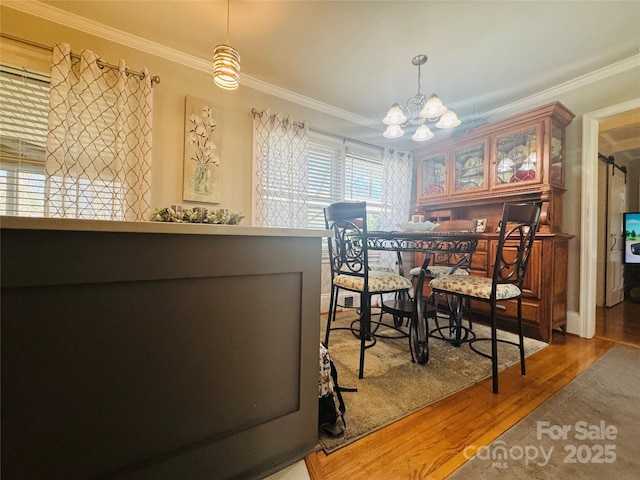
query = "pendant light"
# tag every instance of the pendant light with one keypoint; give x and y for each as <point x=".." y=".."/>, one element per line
<point x="226" y="63"/>
<point x="419" y="110"/>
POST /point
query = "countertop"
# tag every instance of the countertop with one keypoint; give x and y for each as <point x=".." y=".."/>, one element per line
<point x="40" y="223"/>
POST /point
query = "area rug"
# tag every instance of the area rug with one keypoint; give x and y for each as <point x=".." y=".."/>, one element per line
<point x="588" y="430"/>
<point x="394" y="387"/>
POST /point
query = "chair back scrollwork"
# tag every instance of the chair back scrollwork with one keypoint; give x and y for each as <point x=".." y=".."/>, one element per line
<point x="347" y="246"/>
<point x="517" y="233"/>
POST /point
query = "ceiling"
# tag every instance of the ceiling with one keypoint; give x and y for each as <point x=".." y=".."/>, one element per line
<point x="619" y="136"/>
<point x="354" y="57"/>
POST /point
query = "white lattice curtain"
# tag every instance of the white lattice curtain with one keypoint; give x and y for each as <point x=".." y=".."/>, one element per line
<point x="98" y="158"/>
<point x="397" y="167"/>
<point x="280" y="191"/>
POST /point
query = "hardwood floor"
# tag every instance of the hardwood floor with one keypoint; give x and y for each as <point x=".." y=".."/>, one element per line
<point x="620" y="323"/>
<point x="430" y="443"/>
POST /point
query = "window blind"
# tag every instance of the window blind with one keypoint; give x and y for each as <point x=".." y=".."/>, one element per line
<point x="325" y="173"/>
<point x="24" y="103"/>
<point x="24" y="107"/>
<point x="363" y="182"/>
<point x="338" y="173"/>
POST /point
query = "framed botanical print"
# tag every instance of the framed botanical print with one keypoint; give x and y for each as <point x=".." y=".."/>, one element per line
<point x="201" y="152"/>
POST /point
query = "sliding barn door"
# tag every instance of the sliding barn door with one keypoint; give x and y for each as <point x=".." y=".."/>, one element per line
<point x="614" y="282"/>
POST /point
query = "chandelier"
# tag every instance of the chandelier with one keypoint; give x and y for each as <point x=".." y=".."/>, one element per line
<point x="419" y="110"/>
<point x="226" y="63"/>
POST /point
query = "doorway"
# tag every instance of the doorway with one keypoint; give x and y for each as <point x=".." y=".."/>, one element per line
<point x="589" y="225"/>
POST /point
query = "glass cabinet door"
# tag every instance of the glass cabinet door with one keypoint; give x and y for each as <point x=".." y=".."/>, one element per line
<point x="517" y="158"/>
<point x="434" y="175"/>
<point x="470" y="167"/>
<point x="556" y="172"/>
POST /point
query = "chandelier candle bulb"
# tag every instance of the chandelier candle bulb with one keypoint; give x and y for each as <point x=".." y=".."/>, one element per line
<point x="423" y="133"/>
<point x="393" y="131"/>
<point x="448" y="120"/>
<point x="395" y="116"/>
<point x="433" y="108"/>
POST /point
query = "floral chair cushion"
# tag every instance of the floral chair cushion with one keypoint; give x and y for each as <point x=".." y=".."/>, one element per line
<point x="474" y="286"/>
<point x="378" y="282"/>
<point x="437" y="270"/>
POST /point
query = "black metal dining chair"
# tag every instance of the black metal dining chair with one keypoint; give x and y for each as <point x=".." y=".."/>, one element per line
<point x="418" y="327"/>
<point x="350" y="270"/>
<point x="447" y="260"/>
<point x="517" y="232"/>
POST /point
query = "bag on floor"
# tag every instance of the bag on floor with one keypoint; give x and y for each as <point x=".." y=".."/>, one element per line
<point x="331" y="405"/>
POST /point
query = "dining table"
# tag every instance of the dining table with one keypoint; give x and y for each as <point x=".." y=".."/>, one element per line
<point x="436" y="246"/>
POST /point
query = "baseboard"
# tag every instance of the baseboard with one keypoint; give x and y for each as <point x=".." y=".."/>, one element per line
<point x="573" y="322"/>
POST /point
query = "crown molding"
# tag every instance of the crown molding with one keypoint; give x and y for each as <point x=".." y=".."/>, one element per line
<point x="553" y="93"/>
<point x="56" y="15"/>
<point x="309" y="102"/>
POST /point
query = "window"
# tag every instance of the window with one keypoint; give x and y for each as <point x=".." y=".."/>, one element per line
<point x="73" y="163"/>
<point x="24" y="102"/>
<point x="338" y="172"/>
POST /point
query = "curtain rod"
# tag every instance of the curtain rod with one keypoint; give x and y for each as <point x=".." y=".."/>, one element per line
<point x="258" y="113"/>
<point x="75" y="56"/>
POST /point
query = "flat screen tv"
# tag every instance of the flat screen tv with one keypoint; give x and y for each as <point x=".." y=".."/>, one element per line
<point x="631" y="237"/>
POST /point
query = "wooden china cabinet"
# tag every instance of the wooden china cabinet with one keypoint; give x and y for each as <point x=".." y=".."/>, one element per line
<point x="471" y="176"/>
